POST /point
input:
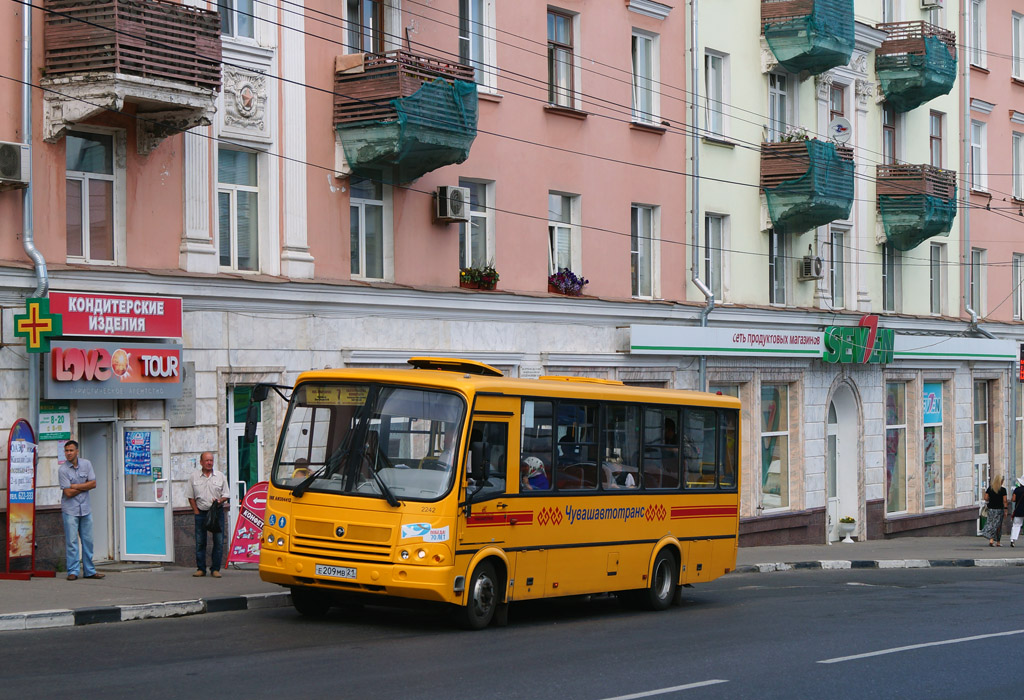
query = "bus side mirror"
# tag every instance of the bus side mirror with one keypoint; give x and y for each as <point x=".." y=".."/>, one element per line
<point x="259" y="393"/>
<point x="480" y="470"/>
<point x="250" y="422"/>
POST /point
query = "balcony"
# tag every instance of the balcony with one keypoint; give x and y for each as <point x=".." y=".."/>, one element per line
<point x="809" y="35"/>
<point x="162" y="57"/>
<point x="915" y="63"/>
<point x="401" y="115"/>
<point x="806" y="183"/>
<point x="916" y="202"/>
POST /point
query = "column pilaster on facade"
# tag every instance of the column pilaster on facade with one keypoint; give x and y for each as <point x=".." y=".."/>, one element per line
<point x="862" y="236"/>
<point x="197" y="252"/>
<point x="296" y="261"/>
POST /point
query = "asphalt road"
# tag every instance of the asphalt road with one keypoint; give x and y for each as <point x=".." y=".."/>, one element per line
<point x="929" y="633"/>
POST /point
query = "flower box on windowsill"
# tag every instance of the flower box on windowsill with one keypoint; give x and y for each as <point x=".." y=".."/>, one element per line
<point x="469" y="285"/>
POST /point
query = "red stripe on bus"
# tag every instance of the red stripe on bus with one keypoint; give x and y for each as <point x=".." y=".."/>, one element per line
<point x="522" y="517"/>
<point x="702" y="511"/>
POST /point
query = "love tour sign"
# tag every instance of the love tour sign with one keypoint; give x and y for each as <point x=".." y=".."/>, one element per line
<point x="84" y="370"/>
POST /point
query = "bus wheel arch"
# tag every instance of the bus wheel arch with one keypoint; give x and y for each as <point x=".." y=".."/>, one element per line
<point x="663" y="579"/>
<point x="484" y="597"/>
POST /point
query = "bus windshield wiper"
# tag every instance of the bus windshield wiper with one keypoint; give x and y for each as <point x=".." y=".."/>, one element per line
<point x="373" y="447"/>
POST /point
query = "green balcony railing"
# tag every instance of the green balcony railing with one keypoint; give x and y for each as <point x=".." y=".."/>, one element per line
<point x="809" y="35"/>
<point x="915" y="63"/>
<point x="806" y="183"/>
<point x="916" y="202"/>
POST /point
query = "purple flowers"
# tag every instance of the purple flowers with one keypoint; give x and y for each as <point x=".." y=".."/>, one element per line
<point x="567" y="282"/>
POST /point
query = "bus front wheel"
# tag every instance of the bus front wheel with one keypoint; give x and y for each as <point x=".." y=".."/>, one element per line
<point x="664" y="582"/>
<point x="310" y="602"/>
<point x="482" y="600"/>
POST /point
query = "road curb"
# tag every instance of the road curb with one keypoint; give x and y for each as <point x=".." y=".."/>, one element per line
<point x="836" y="564"/>
<point x="41" y="619"/>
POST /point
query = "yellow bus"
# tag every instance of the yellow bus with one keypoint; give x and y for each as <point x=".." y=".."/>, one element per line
<point x="449" y="482"/>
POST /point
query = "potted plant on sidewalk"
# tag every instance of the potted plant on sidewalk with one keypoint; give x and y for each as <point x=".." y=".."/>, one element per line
<point x="846" y="527"/>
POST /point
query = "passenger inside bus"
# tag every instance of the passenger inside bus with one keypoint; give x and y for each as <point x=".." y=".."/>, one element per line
<point x="534" y="475"/>
<point x="301" y="468"/>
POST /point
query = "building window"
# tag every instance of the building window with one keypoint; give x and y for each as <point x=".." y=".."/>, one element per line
<point x="477" y="40"/>
<point x="889" y="133"/>
<point x="715" y="66"/>
<point x="476" y="238"/>
<point x="642" y="250"/>
<point x="89" y="183"/>
<point x="896" y="447"/>
<point x="714" y="233"/>
<point x="977" y="288"/>
<point x="777" y="267"/>
<point x="366" y="218"/>
<point x="779" y="105"/>
<point x="1017" y="63"/>
<point x="891" y="260"/>
<point x="932" y="444"/>
<point x="238" y="197"/>
<point x="775" y="475"/>
<point x="365" y="20"/>
<point x="645" y="77"/>
<point x="979" y="156"/>
<point x="836" y="101"/>
<point x="936" y="266"/>
<point x="935" y="138"/>
<point x="1018" y="165"/>
<point x="237" y="18"/>
<point x="563" y="227"/>
<point x="888" y="10"/>
<point x="837" y="268"/>
<point x="561" y="62"/>
<point x="1018" y="290"/>
<point x="978" y="41"/>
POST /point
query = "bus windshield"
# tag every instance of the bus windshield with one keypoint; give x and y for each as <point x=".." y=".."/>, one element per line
<point x="373" y="440"/>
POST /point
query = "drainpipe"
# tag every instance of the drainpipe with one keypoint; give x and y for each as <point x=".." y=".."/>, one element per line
<point x="966" y="139"/>
<point x="28" y="234"/>
<point x="702" y="379"/>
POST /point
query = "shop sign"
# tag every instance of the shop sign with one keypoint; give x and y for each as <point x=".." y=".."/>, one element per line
<point x="690" y="340"/>
<point x="859" y="344"/>
<point x="84" y="370"/>
<point x="114" y="315"/>
<point x="54" y="420"/>
<point x="932" y="402"/>
<point x="1022" y="363"/>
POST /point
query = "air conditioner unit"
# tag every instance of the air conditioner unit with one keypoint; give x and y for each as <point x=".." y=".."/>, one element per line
<point x="451" y="204"/>
<point x="15" y="165"/>
<point x="929" y="4"/>
<point x="812" y="267"/>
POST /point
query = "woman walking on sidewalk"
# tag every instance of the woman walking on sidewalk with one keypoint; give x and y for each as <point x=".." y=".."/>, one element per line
<point x="1018" y="510"/>
<point x="996" y="495"/>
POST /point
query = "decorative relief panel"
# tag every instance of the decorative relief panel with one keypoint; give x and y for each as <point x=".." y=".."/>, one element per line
<point x="245" y="105"/>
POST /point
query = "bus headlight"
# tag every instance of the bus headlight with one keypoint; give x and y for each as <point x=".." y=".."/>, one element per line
<point x="404" y="554"/>
<point x="421" y="554"/>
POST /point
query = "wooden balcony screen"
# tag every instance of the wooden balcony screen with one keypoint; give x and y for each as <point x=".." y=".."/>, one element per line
<point x="908" y="38"/>
<point x="150" y="38"/>
<point x="367" y="96"/>
<point x="773" y="11"/>
<point x="789" y="160"/>
<point x="903" y="180"/>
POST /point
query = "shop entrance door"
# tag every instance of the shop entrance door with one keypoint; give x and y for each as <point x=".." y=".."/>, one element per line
<point x="144" y="499"/>
<point x="244" y="458"/>
<point x="96" y="445"/>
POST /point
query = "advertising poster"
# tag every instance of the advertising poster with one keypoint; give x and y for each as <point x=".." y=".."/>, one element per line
<point x="138" y="458"/>
<point x="54" y="420"/>
<point x="21" y="491"/>
<point x="245" y="544"/>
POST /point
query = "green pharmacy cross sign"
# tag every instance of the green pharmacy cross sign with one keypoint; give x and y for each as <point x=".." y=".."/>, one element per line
<point x="864" y="343"/>
<point x="37" y="325"/>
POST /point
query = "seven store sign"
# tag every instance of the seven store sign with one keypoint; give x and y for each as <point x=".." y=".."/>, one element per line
<point x="865" y="342"/>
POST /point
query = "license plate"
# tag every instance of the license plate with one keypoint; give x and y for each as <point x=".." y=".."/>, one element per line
<point x="335" y="571"/>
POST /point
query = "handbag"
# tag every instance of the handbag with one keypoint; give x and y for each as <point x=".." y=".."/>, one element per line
<point x="212" y="521"/>
<point x="983" y="511"/>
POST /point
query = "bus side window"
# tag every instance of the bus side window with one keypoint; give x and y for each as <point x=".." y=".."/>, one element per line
<point x="728" y="432"/>
<point x="661" y="448"/>
<point x="494" y="438"/>
<point x="699" y="443"/>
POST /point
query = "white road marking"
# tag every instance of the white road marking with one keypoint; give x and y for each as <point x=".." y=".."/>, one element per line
<point x="663" y="691"/>
<point x="911" y="647"/>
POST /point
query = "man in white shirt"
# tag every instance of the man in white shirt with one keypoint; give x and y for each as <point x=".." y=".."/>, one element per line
<point x="204" y="488"/>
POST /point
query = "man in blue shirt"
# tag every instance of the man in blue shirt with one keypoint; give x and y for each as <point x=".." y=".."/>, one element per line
<point x="77" y="479"/>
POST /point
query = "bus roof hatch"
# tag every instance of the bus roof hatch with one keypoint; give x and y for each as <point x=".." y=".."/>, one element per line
<point x="455" y="364"/>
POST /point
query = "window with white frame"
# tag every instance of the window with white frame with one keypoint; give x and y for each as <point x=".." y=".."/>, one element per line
<point x="935" y="127"/>
<point x="778" y="265"/>
<point x="837" y="267"/>
<point x="977" y="288"/>
<point x="477" y="42"/>
<point x="561" y="227"/>
<point x="979" y="156"/>
<point x="238" y="196"/>
<point x="645" y="77"/>
<point x="237" y="18"/>
<point x="978" y="40"/>
<point x="714" y="235"/>
<point x="890" y="134"/>
<point x="366" y="233"/>
<point x="891" y="268"/>
<point x="932" y="445"/>
<point x="561" y="59"/>
<point x="90" y="188"/>
<point x="775" y="474"/>
<point x="936" y="271"/>
<point x="896" y="447"/>
<point x="476" y="238"/>
<point x="642" y="225"/>
<point x="1017" y="60"/>
<point x="1018" y="288"/>
<point x="716" y="68"/>
<point x="780" y="104"/>
<point x="1018" y="165"/>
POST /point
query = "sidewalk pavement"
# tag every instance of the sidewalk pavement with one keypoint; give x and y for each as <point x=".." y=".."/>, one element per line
<point x="138" y="591"/>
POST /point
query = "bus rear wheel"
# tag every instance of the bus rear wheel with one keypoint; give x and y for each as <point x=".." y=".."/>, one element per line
<point x="664" y="582"/>
<point x="482" y="600"/>
<point x="310" y="602"/>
